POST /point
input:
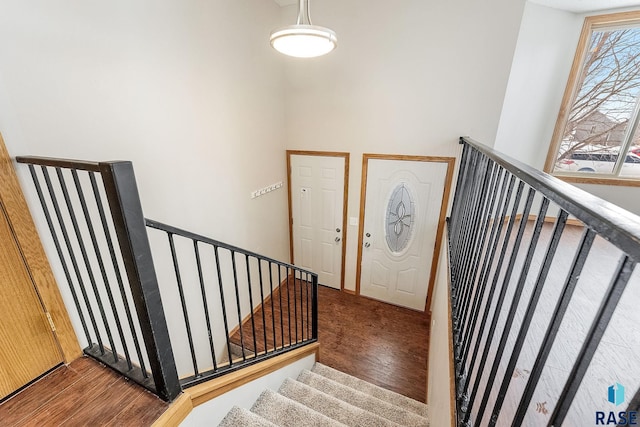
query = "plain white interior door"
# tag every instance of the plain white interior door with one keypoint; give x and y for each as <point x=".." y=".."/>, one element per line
<point x="317" y="201"/>
<point x="401" y="215"/>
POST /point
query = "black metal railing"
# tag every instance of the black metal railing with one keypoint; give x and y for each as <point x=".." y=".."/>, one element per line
<point x="87" y="207"/>
<point x="538" y="272"/>
<point x="226" y="307"/>
<point x="273" y="305"/>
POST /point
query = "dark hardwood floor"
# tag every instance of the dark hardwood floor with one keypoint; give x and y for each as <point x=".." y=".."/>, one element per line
<point x="377" y="342"/>
<point x="286" y="314"/>
<point x="84" y="393"/>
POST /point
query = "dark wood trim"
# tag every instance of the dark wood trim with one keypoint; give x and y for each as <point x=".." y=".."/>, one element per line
<point x="345" y="200"/>
<point x="35" y="258"/>
<point x="363" y="199"/>
<point x="450" y="161"/>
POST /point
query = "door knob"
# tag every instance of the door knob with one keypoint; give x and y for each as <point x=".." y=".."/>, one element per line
<point x="366" y="245"/>
<point x="337" y="239"/>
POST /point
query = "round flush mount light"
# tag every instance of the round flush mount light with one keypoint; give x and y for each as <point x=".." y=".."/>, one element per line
<point x="304" y="40"/>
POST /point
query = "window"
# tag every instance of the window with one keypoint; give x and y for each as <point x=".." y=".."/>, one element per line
<point x="596" y="138"/>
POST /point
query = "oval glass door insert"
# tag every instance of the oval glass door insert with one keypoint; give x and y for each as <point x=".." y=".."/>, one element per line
<point x="399" y="219"/>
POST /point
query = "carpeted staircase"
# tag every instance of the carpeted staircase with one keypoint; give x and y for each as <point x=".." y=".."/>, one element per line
<point x="327" y="397"/>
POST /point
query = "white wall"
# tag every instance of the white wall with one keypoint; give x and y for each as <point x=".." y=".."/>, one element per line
<point x="161" y="83"/>
<point x="440" y="357"/>
<point x="166" y="85"/>
<point x="541" y="65"/>
<point x="408" y="77"/>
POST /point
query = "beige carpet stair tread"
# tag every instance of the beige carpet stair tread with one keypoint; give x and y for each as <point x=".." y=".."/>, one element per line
<point x="285" y="412"/>
<point x="362" y="400"/>
<point x="240" y="417"/>
<point x="332" y="407"/>
<point x="372" y="389"/>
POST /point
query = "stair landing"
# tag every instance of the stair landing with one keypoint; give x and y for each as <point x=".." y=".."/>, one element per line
<point x="82" y="393"/>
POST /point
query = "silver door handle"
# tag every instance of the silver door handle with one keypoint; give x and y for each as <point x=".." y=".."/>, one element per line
<point x="366" y="245"/>
<point x="337" y="239"/>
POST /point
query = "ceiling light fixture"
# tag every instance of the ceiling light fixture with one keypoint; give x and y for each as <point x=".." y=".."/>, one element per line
<point x="303" y="40"/>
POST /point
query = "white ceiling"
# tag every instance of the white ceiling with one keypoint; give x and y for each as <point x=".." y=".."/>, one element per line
<point x="577" y="6"/>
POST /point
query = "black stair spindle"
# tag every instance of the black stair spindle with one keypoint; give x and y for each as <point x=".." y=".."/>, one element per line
<point x="533" y="301"/>
<point x="56" y="242"/>
<point x="281" y="311"/>
<point x="72" y="256"/>
<point x="222" y="304"/>
<point x="85" y="258"/>
<point x="238" y="302"/>
<point x="467" y="344"/>
<point x="273" y="310"/>
<point x="288" y="304"/>
<point x="118" y="273"/>
<point x="264" y="319"/>
<point x="552" y="330"/>
<point x="602" y="318"/>
<point x="295" y="304"/>
<point x="467" y="236"/>
<point x="482" y="247"/>
<point x="253" y="322"/>
<point x="103" y="272"/>
<point x="183" y="303"/>
<point x="205" y="304"/>
<point x="496" y="313"/>
<point x="469" y="268"/>
<point x="468" y="324"/>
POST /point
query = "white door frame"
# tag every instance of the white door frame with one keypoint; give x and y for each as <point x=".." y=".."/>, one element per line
<point x="450" y="161"/>
<point x="344" y="202"/>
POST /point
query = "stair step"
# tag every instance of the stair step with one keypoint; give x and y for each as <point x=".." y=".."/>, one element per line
<point x="236" y="351"/>
<point x="332" y="407"/>
<point x="372" y="389"/>
<point x="362" y="400"/>
<point x="285" y="412"/>
<point x="240" y="417"/>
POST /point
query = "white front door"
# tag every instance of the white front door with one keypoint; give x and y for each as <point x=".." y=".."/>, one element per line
<point x="403" y="203"/>
<point x="317" y="186"/>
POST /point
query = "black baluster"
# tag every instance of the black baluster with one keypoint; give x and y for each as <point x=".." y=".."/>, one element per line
<point x="205" y="304"/>
<point x="183" y="302"/>
<point x="222" y="303"/>
<point x="552" y="330"/>
<point x="56" y="242"/>
<point x="608" y="306"/>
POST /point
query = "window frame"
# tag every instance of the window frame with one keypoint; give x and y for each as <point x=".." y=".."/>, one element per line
<point x="591" y="23"/>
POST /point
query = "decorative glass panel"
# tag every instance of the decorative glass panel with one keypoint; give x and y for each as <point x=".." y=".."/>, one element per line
<point x="399" y="219"/>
